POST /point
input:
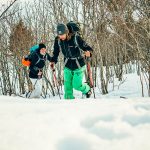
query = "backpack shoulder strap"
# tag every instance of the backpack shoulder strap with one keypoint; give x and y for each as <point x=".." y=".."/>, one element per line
<point x="45" y="57"/>
<point x="59" y="44"/>
<point x="76" y="40"/>
<point x="38" y="59"/>
<point x="76" y="43"/>
<point x="32" y="56"/>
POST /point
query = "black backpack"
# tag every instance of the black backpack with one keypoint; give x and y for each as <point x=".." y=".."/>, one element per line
<point x="73" y="27"/>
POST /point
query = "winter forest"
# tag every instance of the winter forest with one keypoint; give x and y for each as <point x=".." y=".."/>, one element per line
<point x="116" y="116"/>
<point x="118" y="31"/>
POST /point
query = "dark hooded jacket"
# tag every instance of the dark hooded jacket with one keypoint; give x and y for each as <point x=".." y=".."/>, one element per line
<point x="37" y="63"/>
<point x="70" y="49"/>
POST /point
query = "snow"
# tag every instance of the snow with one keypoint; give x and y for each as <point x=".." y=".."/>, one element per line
<point x="129" y="87"/>
<point x="105" y="123"/>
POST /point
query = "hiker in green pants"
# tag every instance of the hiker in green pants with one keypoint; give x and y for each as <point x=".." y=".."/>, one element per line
<point x="71" y="44"/>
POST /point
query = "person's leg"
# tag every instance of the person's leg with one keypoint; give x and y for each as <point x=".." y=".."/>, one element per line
<point x="68" y="84"/>
<point x="78" y="81"/>
<point x="37" y="88"/>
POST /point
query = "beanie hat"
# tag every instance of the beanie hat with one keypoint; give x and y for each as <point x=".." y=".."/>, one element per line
<point x="62" y="29"/>
<point x="41" y="45"/>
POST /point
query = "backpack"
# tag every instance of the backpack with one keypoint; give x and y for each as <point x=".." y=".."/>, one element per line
<point x="25" y="61"/>
<point x="73" y="27"/>
<point x="34" y="48"/>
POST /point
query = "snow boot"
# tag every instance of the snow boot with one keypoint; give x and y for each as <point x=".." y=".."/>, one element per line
<point x="88" y="94"/>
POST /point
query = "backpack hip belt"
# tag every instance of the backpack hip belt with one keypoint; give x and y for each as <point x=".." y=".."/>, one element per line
<point x="75" y="58"/>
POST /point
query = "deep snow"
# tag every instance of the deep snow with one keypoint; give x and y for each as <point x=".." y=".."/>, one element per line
<point x="95" y="124"/>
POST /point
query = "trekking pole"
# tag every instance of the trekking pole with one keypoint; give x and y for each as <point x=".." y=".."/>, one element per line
<point x="47" y="81"/>
<point x="89" y="73"/>
<point x="56" y="81"/>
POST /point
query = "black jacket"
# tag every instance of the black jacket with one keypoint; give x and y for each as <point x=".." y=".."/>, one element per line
<point x="37" y="63"/>
<point x="70" y="49"/>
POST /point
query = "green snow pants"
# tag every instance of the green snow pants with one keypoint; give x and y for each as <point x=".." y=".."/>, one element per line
<point x="74" y="79"/>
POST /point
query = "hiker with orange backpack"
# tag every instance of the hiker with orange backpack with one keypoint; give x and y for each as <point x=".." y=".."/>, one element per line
<point x="71" y="46"/>
<point x="36" y="62"/>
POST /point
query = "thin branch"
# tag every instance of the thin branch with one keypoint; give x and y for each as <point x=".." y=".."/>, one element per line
<point x="7" y="9"/>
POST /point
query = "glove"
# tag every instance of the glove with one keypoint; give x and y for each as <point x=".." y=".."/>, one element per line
<point x="87" y="54"/>
<point x="52" y="65"/>
<point x="40" y="73"/>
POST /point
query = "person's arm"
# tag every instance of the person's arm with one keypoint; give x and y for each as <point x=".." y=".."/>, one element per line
<point x="48" y="57"/>
<point x="83" y="45"/>
<point x="56" y="51"/>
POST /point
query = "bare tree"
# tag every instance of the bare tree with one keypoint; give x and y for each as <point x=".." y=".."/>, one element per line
<point x="118" y="31"/>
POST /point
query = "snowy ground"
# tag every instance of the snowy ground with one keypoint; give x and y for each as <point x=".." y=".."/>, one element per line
<point x="105" y="123"/>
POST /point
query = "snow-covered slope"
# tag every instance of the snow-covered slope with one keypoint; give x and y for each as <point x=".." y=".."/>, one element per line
<point x="95" y="124"/>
